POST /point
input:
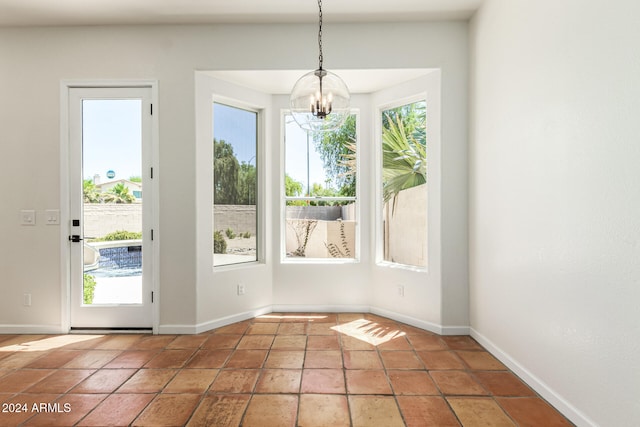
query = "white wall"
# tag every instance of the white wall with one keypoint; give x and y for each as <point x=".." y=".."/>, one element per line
<point x="33" y="61"/>
<point x="554" y="205"/>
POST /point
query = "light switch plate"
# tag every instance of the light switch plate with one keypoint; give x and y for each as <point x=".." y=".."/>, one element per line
<point x="52" y="216"/>
<point x="28" y="217"/>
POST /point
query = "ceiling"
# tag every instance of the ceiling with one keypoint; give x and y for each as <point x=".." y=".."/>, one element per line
<point x="116" y="12"/>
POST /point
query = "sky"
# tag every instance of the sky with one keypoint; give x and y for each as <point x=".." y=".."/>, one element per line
<point x="111" y="138"/>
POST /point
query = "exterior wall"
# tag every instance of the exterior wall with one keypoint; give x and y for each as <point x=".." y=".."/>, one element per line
<point x="325" y="233"/>
<point x="239" y="218"/>
<point x="104" y="218"/>
<point x="406" y="227"/>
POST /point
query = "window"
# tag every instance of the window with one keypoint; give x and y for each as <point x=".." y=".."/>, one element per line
<point x="235" y="136"/>
<point x="404" y="184"/>
<point x="320" y="192"/>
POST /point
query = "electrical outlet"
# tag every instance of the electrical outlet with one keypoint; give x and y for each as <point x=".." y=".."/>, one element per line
<point x="400" y="290"/>
<point x="26" y="300"/>
<point x="240" y="289"/>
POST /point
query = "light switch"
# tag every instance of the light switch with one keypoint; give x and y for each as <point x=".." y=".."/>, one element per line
<point x="28" y="217"/>
<point x="52" y="216"/>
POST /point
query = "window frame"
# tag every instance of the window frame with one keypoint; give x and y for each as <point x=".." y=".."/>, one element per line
<point x="260" y="224"/>
<point x="284" y="199"/>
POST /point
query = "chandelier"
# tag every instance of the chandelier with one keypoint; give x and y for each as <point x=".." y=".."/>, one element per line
<point x="320" y="99"/>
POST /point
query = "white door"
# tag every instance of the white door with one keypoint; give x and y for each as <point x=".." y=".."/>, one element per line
<point x="110" y="199"/>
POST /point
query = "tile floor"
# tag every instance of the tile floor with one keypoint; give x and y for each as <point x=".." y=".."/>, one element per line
<point x="275" y="370"/>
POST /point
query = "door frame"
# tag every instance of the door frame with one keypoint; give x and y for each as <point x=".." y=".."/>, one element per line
<point x="65" y="194"/>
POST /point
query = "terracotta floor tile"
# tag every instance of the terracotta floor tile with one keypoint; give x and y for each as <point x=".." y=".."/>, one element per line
<point x="25" y="402"/>
<point x="70" y="409"/>
<point x="457" y="383"/>
<point x="61" y="381"/>
<point x="19" y="360"/>
<point x="361" y="359"/>
<point x="268" y="410"/>
<point x="285" y="359"/>
<point x="351" y="343"/>
<point x="367" y="382"/>
<point x="375" y="411"/>
<point x="461" y="342"/>
<point x="263" y="329"/>
<point x="427" y="342"/>
<point x="92" y="359"/>
<point x="503" y="384"/>
<point x="221" y="341"/>
<point x="54" y="359"/>
<point x="155" y="342"/>
<point x="412" y="382"/>
<point x="170" y="359"/>
<point x="400" y="360"/>
<point x="168" y="410"/>
<point x="323" y="410"/>
<point x="244" y="359"/>
<point x="147" y="381"/>
<point x="479" y="412"/>
<point x="441" y="360"/>
<point x="420" y="411"/>
<point x="235" y="381"/>
<point x="220" y="411"/>
<point x="532" y="412"/>
<point x="191" y="381"/>
<point x="323" y="381"/>
<point x="255" y="342"/>
<point x="289" y="342"/>
<point x="234" y="328"/>
<point x="323" y="342"/>
<point x="321" y="329"/>
<point x="117" y="410"/>
<point x="131" y="359"/>
<point x="20" y="380"/>
<point x="397" y="343"/>
<point x="279" y="381"/>
<point x="323" y="359"/>
<point x="188" y="341"/>
<point x="481" y="361"/>
<point x="104" y="381"/>
<point x="118" y="342"/>
<point x="292" y="329"/>
<point x="209" y="359"/>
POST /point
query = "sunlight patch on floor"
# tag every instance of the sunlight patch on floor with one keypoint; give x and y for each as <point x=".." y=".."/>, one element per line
<point x="49" y="343"/>
<point x="368" y="331"/>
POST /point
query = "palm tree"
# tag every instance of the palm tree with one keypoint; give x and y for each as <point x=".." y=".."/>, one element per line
<point x="119" y="193"/>
<point x="404" y="152"/>
<point x="90" y="192"/>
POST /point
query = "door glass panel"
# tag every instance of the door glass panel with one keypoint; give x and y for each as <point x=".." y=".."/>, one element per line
<point x="404" y="184"/>
<point x="112" y="201"/>
<point x="235" y="183"/>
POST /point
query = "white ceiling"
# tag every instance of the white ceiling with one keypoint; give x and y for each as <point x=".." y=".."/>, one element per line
<point x="114" y="12"/>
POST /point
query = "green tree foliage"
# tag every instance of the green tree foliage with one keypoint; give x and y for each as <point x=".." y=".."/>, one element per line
<point x="226" y="169"/>
<point x="88" y="289"/>
<point x="404" y="154"/>
<point x="247" y="184"/>
<point x="90" y="193"/>
<point x="120" y="235"/>
<point x="338" y="150"/>
<point x="292" y="188"/>
<point x="135" y="179"/>
<point x="119" y="193"/>
<point x="219" y="243"/>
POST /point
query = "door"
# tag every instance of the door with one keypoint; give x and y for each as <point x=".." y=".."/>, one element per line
<point x="109" y="206"/>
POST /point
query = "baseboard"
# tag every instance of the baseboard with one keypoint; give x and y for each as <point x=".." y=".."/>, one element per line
<point x="557" y="401"/>
<point x="177" y="329"/>
<point x="326" y="308"/>
<point x="224" y="321"/>
<point x="422" y="324"/>
<point x="32" y="329"/>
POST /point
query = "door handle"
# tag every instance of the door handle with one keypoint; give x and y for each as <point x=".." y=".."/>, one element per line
<point x="75" y="238"/>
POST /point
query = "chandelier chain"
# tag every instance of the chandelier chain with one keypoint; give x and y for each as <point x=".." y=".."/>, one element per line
<point x="320" y="58"/>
